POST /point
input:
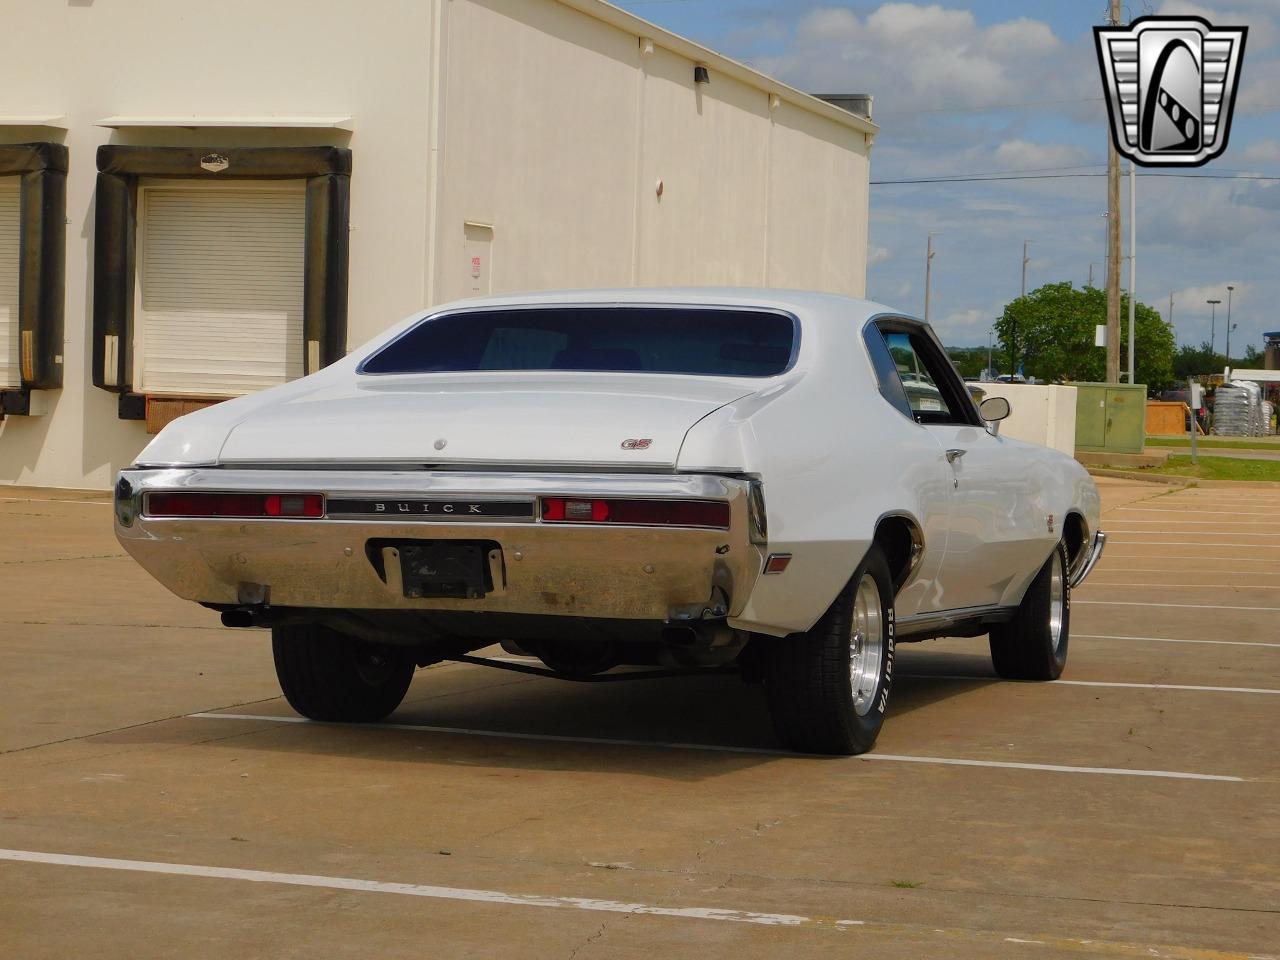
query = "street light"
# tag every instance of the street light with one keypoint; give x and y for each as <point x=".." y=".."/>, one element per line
<point x="1230" y="287"/>
<point x="1213" y="323"/>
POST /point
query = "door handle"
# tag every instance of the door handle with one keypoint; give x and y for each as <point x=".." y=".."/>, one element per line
<point x="954" y="455"/>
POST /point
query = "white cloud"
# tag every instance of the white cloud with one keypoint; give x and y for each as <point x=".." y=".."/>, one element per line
<point x="966" y="327"/>
<point x="921" y="57"/>
<point x="1193" y="298"/>
<point x="1264" y="151"/>
<point x="1024" y="155"/>
<point x="877" y="255"/>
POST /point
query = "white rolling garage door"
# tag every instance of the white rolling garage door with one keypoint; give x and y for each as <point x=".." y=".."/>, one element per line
<point x="220" y="289"/>
<point x="10" y="371"/>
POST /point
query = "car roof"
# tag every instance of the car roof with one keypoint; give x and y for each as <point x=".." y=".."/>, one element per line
<point x="807" y="304"/>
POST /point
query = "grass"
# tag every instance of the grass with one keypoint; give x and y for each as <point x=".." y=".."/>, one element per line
<point x="1219" y="468"/>
<point x="1229" y="443"/>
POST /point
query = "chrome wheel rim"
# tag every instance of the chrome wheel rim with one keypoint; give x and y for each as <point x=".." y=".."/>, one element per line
<point x="1057" y="600"/>
<point x="866" y="645"/>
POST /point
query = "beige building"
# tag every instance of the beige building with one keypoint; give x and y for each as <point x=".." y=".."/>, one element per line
<point x="198" y="200"/>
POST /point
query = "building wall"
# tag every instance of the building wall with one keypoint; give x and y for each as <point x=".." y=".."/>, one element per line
<point x="535" y="151"/>
<point x="558" y="129"/>
<point x="88" y="61"/>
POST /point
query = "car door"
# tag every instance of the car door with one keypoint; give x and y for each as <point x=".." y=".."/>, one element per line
<point x="997" y="527"/>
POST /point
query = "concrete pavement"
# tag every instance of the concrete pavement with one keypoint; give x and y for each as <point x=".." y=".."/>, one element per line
<point x="511" y="816"/>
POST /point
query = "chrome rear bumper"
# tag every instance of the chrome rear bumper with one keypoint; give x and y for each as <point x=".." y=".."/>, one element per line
<point x="1090" y="559"/>
<point x="578" y="570"/>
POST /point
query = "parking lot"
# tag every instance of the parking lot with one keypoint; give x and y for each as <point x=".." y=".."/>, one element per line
<point x="158" y="798"/>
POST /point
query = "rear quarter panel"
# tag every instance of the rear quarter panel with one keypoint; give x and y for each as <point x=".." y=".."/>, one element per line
<point x="834" y="458"/>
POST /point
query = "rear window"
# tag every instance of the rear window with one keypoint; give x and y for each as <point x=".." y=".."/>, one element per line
<point x="693" y="341"/>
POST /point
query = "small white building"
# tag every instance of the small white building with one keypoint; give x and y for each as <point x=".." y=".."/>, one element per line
<point x="198" y="200"/>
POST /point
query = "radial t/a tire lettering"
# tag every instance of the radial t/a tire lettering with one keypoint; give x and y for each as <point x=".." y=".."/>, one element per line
<point x="828" y="689"/>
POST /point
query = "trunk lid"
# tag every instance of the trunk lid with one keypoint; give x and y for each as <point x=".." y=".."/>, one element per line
<point x="536" y="419"/>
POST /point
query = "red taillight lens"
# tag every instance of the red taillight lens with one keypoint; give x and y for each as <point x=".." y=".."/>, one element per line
<point x="644" y="513"/>
<point x="238" y="505"/>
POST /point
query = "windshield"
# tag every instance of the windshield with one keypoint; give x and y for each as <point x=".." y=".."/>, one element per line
<point x="696" y="341"/>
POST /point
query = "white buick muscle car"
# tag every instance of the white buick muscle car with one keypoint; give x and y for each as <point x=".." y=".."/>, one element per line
<point x="778" y="483"/>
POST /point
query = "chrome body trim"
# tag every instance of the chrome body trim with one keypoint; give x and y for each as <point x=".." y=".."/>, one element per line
<point x="1091" y="559"/>
<point x="565" y="569"/>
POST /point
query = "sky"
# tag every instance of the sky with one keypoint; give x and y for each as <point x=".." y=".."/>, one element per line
<point x="994" y="86"/>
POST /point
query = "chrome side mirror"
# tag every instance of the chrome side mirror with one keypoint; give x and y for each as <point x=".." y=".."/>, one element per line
<point x="992" y="411"/>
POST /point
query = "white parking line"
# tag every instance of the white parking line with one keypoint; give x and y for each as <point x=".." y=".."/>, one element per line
<point x="92" y="503"/>
<point x="1101" y="569"/>
<point x="1182" y="511"/>
<point x="1207" y="533"/>
<point x="1173" y="606"/>
<point x="716" y="748"/>
<point x="420" y="890"/>
<point x="1226" y="643"/>
<point x="1099" y="683"/>
<point x="1111" y="555"/>
<point x="1183" y="586"/>
<point x="1214" y="523"/>
<point x="1189" y="543"/>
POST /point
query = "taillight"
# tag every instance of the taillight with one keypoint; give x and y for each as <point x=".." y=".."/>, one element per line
<point x="643" y="513"/>
<point x="237" y="505"/>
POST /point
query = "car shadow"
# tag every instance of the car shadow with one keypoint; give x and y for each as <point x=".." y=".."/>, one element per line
<point x="679" y="729"/>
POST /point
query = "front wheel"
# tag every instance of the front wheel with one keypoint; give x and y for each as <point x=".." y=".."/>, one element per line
<point x="326" y="675"/>
<point x="1033" y="645"/>
<point x="828" y="688"/>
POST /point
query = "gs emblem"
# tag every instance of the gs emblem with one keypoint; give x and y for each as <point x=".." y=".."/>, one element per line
<point x="637" y="444"/>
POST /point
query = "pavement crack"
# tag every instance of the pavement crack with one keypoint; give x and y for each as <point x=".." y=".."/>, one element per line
<point x="87" y="556"/>
<point x="130" y="726"/>
<point x="590" y="940"/>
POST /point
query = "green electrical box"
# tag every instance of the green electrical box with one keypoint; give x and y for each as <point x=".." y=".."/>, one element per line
<point x="1111" y="417"/>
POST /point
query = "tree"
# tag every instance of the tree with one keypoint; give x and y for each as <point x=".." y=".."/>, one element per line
<point x="1050" y="332"/>
<point x="1202" y="361"/>
<point x="970" y="361"/>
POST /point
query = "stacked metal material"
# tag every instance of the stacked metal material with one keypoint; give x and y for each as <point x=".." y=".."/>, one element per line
<point x="1237" y="410"/>
<point x="1268" y="411"/>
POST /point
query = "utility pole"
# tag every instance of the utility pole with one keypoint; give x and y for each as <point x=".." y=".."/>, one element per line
<point x="1025" y="261"/>
<point x="1213" y="324"/>
<point x="1113" y="242"/>
<point x="928" y="271"/>
<point x="990" y="335"/>
<point x="1230" y="287"/>
<point x="1090" y="274"/>
<point x="1133" y="257"/>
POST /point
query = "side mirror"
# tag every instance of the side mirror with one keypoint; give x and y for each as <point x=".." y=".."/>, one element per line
<point x="993" y="410"/>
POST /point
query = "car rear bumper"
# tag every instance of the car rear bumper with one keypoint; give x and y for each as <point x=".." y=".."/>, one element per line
<point x="537" y="567"/>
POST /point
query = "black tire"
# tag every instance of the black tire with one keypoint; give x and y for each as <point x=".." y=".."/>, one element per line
<point x="1026" y="648"/>
<point x="808" y="677"/>
<point x="326" y="675"/>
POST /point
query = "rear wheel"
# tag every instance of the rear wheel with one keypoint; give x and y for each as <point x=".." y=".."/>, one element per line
<point x="1033" y="645"/>
<point x="326" y="675"/>
<point x="828" y="688"/>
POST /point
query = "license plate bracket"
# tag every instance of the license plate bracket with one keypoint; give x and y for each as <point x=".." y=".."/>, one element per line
<point x="456" y="569"/>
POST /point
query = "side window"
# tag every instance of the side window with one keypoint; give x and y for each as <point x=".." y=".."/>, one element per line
<point x="891" y="387"/>
<point x="927" y="403"/>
